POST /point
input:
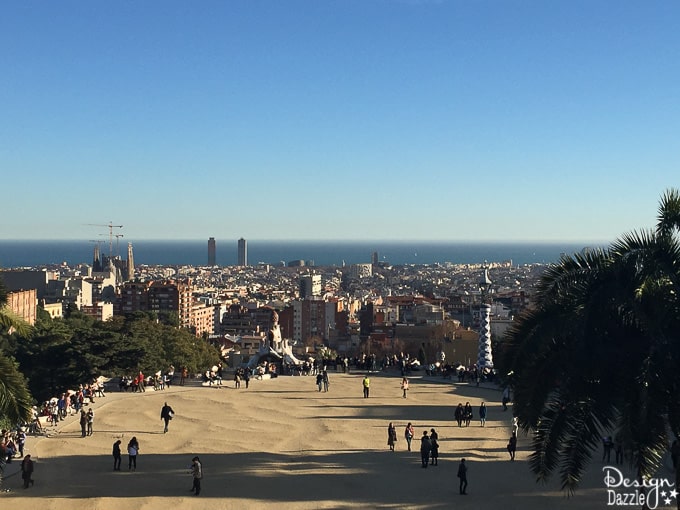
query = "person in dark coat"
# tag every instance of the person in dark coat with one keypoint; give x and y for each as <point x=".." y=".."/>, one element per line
<point x="434" y="450"/>
<point x="116" y="455"/>
<point x="166" y="415"/>
<point x="482" y="414"/>
<point x="425" y="447"/>
<point x="83" y="423"/>
<point x="391" y="436"/>
<point x="27" y="471"/>
<point x="460" y="414"/>
<point x="462" y="475"/>
<point x="512" y="446"/>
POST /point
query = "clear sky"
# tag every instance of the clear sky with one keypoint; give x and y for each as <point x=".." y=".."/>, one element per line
<point x="338" y="119"/>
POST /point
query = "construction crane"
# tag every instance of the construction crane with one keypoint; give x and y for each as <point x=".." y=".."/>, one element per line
<point x="110" y="226"/>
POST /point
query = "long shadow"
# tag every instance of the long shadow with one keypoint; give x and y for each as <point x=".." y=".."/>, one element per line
<point x="272" y="477"/>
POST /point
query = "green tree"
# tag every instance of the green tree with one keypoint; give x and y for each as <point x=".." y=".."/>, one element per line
<point x="15" y="399"/>
<point x="600" y="353"/>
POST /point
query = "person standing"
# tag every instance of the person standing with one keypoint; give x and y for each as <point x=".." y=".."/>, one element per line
<point x="246" y="377"/>
<point x="425" y="447"/>
<point x="467" y="414"/>
<point x="27" y="471"/>
<point x="460" y="414"/>
<point x="326" y="382"/>
<point x="319" y="381"/>
<point x="434" y="447"/>
<point x="462" y="475"/>
<point x="409" y="432"/>
<point x="21" y="440"/>
<point x="237" y="380"/>
<point x="90" y="421"/>
<point x="404" y="385"/>
<point x="366" y="383"/>
<point x="133" y="450"/>
<point x="116" y="455"/>
<point x="83" y="423"/>
<point x="512" y="445"/>
<point x="183" y="376"/>
<point x="482" y="414"/>
<point x="197" y="474"/>
<point x="391" y="436"/>
<point x="142" y="382"/>
<point x="166" y="415"/>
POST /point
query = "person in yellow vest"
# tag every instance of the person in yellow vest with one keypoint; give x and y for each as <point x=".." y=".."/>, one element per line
<point x="366" y="384"/>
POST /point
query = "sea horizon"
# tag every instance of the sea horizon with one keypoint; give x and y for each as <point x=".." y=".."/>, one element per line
<point x="194" y="252"/>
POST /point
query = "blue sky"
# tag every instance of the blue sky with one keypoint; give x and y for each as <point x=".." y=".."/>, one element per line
<point x="347" y="119"/>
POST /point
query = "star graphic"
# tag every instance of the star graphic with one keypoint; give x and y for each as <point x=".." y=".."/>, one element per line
<point x="674" y="494"/>
<point x="667" y="501"/>
<point x="663" y="494"/>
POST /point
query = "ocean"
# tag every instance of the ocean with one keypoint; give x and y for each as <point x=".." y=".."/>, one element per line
<point x="20" y="253"/>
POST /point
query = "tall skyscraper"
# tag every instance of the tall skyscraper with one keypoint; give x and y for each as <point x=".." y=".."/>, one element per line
<point x="374" y="258"/>
<point x="211" y="251"/>
<point x="242" y="252"/>
<point x="130" y="264"/>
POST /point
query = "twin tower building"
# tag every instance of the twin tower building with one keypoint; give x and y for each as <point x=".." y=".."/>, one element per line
<point x="242" y="252"/>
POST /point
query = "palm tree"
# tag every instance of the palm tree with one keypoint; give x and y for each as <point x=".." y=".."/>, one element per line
<point x="15" y="399"/>
<point x="600" y="353"/>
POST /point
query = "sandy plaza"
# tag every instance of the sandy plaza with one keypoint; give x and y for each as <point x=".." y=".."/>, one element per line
<point x="281" y="443"/>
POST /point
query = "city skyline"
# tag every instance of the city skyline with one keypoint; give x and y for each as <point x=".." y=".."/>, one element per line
<point x="356" y="120"/>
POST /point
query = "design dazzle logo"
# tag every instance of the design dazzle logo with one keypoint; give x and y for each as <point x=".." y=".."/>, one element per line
<point x="622" y="491"/>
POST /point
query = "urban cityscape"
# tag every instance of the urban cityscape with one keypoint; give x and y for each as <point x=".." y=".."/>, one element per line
<point x="366" y="308"/>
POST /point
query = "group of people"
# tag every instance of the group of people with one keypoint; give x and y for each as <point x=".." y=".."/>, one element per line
<point x="86" y="422"/>
<point x="132" y="451"/>
<point x="429" y="444"/>
<point x="139" y="382"/>
<point x="429" y="450"/>
<point x="242" y="374"/>
<point x="464" y="414"/>
<point x="322" y="380"/>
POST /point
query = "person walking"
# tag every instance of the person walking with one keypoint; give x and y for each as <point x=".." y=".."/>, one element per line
<point x="27" y="471"/>
<point x="404" y="385"/>
<point x="409" y="432"/>
<point x="366" y="383"/>
<point x="319" y="381"/>
<point x="391" y="436"/>
<point x="462" y="475"/>
<point x="116" y="455"/>
<point x="133" y="450"/>
<point x="83" y="423"/>
<point x="506" y="398"/>
<point x="434" y="448"/>
<point x="425" y="447"/>
<point x="166" y="415"/>
<point x="90" y="421"/>
<point x="512" y="446"/>
<point x="482" y="414"/>
<point x="197" y="474"/>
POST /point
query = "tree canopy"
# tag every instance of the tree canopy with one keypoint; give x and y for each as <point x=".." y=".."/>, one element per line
<point x="599" y="354"/>
<point x="61" y="353"/>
